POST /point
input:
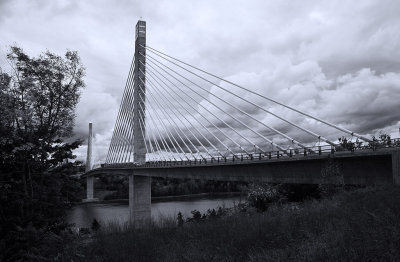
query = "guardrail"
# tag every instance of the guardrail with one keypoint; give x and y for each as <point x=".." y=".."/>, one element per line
<point x="315" y="150"/>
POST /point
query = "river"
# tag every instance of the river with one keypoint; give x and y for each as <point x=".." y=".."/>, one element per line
<point x="117" y="211"/>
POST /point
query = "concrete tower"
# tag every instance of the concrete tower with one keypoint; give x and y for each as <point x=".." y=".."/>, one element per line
<point x="89" y="179"/>
<point x="139" y="186"/>
<point x="139" y="149"/>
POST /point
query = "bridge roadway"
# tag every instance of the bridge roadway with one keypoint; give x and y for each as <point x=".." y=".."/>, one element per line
<point x="361" y="167"/>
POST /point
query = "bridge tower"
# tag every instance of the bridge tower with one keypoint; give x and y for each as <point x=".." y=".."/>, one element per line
<point x="139" y="150"/>
<point x="89" y="179"/>
<point x="139" y="186"/>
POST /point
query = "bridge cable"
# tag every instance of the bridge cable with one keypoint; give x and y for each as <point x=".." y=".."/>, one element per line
<point x="178" y="95"/>
<point x="205" y="108"/>
<point x="173" y="125"/>
<point x="115" y="137"/>
<point x="169" y="133"/>
<point x="167" y="149"/>
<point x="144" y="140"/>
<point x="165" y="144"/>
<point x="141" y="123"/>
<point x="165" y="113"/>
<point x="212" y="104"/>
<point x="243" y="112"/>
<point x="164" y="126"/>
<point x="156" y="145"/>
<point x="255" y="93"/>
<point x="126" y="127"/>
<point x="208" y="141"/>
<point x="122" y="128"/>
<point x="141" y="113"/>
<point x="256" y="132"/>
<point x="208" y="152"/>
<point x="177" y="117"/>
<point x="212" y="133"/>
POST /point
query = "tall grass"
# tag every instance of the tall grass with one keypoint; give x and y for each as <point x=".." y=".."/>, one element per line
<point x="363" y="225"/>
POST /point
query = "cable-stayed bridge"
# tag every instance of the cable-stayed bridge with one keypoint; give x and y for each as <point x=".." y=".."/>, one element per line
<point x="177" y="120"/>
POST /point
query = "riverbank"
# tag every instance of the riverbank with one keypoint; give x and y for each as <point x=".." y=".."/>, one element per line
<point x="360" y="225"/>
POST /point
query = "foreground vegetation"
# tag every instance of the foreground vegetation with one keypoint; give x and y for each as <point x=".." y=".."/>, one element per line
<point x="362" y="225"/>
<point x="37" y="108"/>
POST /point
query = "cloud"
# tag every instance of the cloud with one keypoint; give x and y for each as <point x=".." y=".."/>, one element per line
<point x="338" y="61"/>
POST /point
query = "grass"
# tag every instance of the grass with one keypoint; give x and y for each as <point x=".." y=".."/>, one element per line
<point x="363" y="225"/>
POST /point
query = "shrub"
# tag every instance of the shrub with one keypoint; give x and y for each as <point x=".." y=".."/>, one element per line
<point x="261" y="195"/>
<point x="180" y="219"/>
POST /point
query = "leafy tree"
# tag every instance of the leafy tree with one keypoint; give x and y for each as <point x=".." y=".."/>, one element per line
<point x="37" y="110"/>
<point x="347" y="144"/>
<point x="384" y="140"/>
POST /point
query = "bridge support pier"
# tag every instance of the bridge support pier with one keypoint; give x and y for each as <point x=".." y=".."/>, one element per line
<point x="396" y="167"/>
<point x="89" y="188"/>
<point x="139" y="199"/>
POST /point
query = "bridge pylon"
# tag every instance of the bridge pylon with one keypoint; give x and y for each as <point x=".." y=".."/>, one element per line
<point x="139" y="186"/>
<point x="139" y="98"/>
<point x="89" y="179"/>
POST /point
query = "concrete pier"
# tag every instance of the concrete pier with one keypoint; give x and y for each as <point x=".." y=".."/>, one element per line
<point x="139" y="199"/>
<point x="89" y="188"/>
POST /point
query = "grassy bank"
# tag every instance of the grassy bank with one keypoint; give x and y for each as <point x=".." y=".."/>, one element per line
<point x="362" y="225"/>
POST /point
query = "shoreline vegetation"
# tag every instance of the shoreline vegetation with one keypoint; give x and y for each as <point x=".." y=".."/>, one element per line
<point x="167" y="187"/>
<point x="360" y="224"/>
<point x="171" y="198"/>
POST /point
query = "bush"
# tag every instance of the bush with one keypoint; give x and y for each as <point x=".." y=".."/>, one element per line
<point x="262" y="195"/>
<point x="180" y="219"/>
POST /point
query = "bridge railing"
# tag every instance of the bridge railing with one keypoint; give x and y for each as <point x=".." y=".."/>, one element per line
<point x="264" y="156"/>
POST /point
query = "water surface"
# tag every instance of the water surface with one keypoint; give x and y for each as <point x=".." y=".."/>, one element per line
<point x="82" y="215"/>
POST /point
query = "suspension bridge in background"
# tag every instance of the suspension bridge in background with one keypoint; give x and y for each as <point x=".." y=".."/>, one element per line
<point x="177" y="120"/>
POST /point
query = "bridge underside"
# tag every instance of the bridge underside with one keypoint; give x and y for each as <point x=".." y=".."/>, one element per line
<point x="361" y="168"/>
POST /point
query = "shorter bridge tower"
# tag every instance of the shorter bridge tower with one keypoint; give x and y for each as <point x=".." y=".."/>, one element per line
<point x="89" y="179"/>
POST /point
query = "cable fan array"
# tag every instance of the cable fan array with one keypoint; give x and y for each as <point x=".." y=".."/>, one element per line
<point x="190" y="115"/>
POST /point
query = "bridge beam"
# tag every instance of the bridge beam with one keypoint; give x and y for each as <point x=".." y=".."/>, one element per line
<point x="139" y="199"/>
<point x="89" y="188"/>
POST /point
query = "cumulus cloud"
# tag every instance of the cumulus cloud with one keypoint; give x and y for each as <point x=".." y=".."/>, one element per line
<point x="338" y="61"/>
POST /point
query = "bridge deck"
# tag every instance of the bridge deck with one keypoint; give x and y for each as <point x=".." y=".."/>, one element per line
<point x="360" y="167"/>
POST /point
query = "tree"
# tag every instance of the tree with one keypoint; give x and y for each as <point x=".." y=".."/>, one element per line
<point x="37" y="110"/>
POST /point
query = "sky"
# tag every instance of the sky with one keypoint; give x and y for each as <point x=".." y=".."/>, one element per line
<point x="337" y="60"/>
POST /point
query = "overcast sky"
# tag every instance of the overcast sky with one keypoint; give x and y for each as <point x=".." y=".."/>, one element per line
<point x="339" y="60"/>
